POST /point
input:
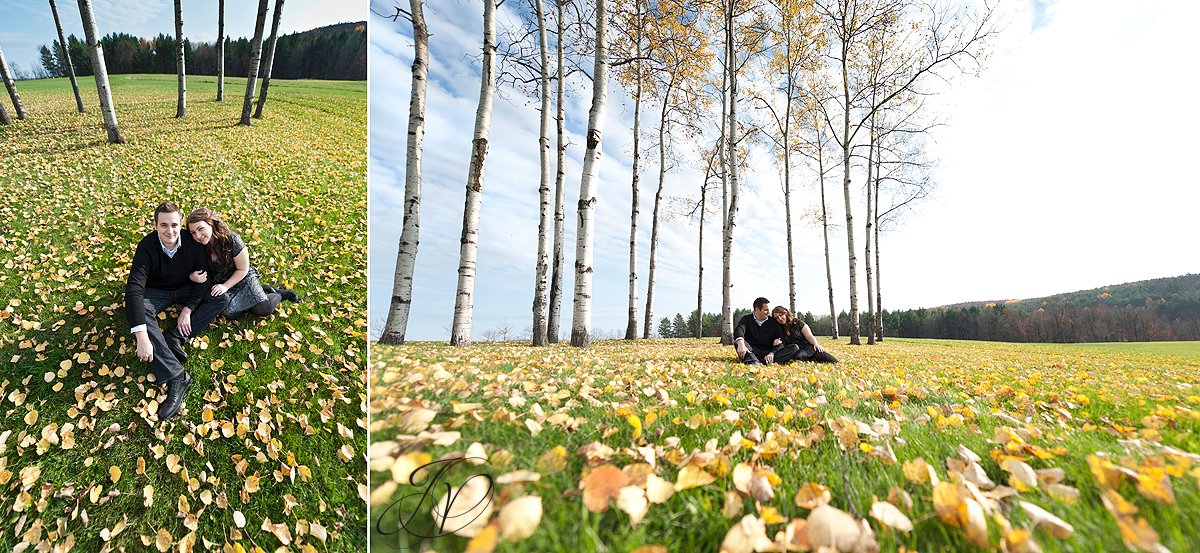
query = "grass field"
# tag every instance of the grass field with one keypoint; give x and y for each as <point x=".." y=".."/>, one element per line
<point x="1062" y="447"/>
<point x="269" y="449"/>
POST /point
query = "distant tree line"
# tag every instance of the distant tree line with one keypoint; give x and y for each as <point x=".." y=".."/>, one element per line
<point x="337" y="52"/>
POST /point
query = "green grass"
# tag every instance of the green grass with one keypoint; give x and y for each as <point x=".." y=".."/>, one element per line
<point x="1127" y="401"/>
<point x="294" y="186"/>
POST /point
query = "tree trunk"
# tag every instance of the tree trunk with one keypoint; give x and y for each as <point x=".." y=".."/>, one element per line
<point x="62" y="41"/>
<point x="397" y="322"/>
<point x="559" y="194"/>
<point x="867" y="239"/>
<point x="464" y="299"/>
<point x="700" y="262"/>
<point x="846" y="190"/>
<point x="266" y="71"/>
<point x="726" y="309"/>
<point x="632" y="319"/>
<point x="825" y="232"/>
<point x="180" y="63"/>
<point x="731" y="141"/>
<point x="4" y="118"/>
<point x="96" y="52"/>
<point x="255" y="60"/>
<point x="662" y="178"/>
<point x="11" y="85"/>
<point x="581" y="333"/>
<point x="544" y="223"/>
<point x="878" y="269"/>
<point x="220" y="50"/>
<point x="787" y="192"/>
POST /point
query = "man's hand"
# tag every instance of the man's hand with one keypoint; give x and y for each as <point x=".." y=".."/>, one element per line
<point x="185" y="322"/>
<point x="199" y="276"/>
<point x="219" y="289"/>
<point x="769" y="358"/>
<point x="741" y="348"/>
<point x="145" y="350"/>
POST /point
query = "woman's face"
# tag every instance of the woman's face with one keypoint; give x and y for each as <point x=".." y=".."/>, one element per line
<point x="780" y="317"/>
<point x="201" y="232"/>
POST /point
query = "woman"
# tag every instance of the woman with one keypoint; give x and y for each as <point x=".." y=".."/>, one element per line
<point x="796" y="331"/>
<point x="229" y="263"/>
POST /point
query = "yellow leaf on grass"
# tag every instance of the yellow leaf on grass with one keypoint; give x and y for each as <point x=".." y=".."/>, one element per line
<point x="484" y="541"/>
<point x="692" y="476"/>
<point x="812" y="495"/>
<point x="1153" y="483"/>
<point x="114" y="473"/>
<point x="552" y="461"/>
<point x="636" y="423"/>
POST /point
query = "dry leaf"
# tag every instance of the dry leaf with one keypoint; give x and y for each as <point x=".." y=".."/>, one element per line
<point x="464" y="511"/>
<point x="692" y="476"/>
<point x="836" y="529"/>
<point x="601" y="484"/>
<point x="1047" y="521"/>
<point x="890" y="516"/>
<point x="812" y="495"/>
<point x="632" y="500"/>
<point x="520" y="518"/>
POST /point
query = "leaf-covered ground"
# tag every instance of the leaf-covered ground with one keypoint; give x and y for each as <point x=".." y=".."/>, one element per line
<point x="269" y="449"/>
<point x="670" y="445"/>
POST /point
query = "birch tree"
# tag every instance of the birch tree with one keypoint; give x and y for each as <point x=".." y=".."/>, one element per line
<point x="11" y="85"/>
<point x="66" y="56"/>
<point x="96" y="52"/>
<point x="270" y="61"/>
<point x="556" y="260"/>
<point x="460" y="334"/>
<point x="220" y="50"/>
<point x="180" y="64"/>
<point x="255" y="61"/>
<point x="542" y="269"/>
<point x="633" y="75"/>
<point x="581" y="321"/>
<point x="397" y="321"/>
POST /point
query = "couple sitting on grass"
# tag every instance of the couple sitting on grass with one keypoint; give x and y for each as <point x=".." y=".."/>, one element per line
<point x="767" y="336"/>
<point x="172" y="267"/>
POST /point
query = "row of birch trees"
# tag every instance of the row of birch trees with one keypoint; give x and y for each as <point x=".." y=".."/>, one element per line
<point x="258" y="64"/>
<point x="838" y="87"/>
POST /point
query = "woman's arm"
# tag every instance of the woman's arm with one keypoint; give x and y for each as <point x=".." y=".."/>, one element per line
<point x="808" y="335"/>
<point x="241" y="264"/>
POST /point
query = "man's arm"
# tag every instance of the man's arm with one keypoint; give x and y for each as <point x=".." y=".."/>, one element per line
<point x="739" y="338"/>
<point x="135" y="289"/>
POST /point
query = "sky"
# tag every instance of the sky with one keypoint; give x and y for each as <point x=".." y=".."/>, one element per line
<point x="1062" y="166"/>
<point x="27" y="24"/>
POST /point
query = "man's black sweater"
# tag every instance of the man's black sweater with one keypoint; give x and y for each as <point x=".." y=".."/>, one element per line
<point x="153" y="269"/>
<point x="760" y="337"/>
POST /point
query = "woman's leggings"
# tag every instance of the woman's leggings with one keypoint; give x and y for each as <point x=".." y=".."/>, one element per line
<point x="267" y="306"/>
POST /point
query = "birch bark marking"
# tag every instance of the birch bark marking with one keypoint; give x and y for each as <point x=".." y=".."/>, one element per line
<point x="220" y="50"/>
<point x="397" y="322"/>
<point x="460" y="334"/>
<point x="581" y="334"/>
<point x="66" y="56"/>
<point x="255" y="60"/>
<point x="96" y="52"/>
<point x="543" y="256"/>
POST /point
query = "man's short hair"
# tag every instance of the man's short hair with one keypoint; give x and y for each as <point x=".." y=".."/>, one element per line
<point x="166" y="207"/>
<point x="761" y="302"/>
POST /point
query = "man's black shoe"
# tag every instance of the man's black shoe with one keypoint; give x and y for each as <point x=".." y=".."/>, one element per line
<point x="288" y="294"/>
<point x="176" y="347"/>
<point x="269" y="289"/>
<point x="176" y="392"/>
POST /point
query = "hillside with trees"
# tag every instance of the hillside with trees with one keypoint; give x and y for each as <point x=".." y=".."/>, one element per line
<point x="333" y="52"/>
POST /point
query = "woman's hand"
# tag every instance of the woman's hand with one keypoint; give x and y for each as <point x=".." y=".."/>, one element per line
<point x="219" y="289"/>
<point x="199" y="277"/>
<point x="185" y="322"/>
<point x="778" y="341"/>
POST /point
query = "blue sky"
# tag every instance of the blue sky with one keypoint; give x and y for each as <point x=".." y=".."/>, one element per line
<point x="1062" y="167"/>
<point x="28" y="23"/>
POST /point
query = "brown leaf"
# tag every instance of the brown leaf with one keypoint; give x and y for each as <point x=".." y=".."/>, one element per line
<point x="812" y="495"/>
<point x="601" y="484"/>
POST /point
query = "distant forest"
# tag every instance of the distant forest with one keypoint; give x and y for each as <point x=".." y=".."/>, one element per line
<point x="335" y="52"/>
<point x="1162" y="309"/>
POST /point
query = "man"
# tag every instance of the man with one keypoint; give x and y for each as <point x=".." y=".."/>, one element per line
<point x="159" y="278"/>
<point x="759" y="337"/>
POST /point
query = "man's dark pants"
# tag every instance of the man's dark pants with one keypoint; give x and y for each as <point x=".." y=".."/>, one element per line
<point x="165" y="366"/>
<point x="783" y="354"/>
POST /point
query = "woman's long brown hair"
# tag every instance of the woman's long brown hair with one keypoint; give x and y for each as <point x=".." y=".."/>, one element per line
<point x="791" y="324"/>
<point x="220" y="247"/>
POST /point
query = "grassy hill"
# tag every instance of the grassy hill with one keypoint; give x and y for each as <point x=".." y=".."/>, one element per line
<point x="269" y="448"/>
<point x="1185" y="288"/>
<point x="657" y="445"/>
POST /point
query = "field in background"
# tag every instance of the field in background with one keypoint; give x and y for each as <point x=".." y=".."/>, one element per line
<point x="269" y="448"/>
<point x="922" y="444"/>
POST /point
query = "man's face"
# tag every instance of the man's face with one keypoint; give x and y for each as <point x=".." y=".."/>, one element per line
<point x="761" y="313"/>
<point x="167" y="225"/>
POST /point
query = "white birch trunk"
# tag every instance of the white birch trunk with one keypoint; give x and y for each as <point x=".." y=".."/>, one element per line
<point x="631" y="322"/>
<point x="867" y="240"/>
<point x="726" y="306"/>
<point x="255" y="61"/>
<point x="700" y="262"/>
<point x="220" y="50"/>
<point x="787" y="192"/>
<point x="266" y="70"/>
<point x="825" y="231"/>
<point x="464" y="302"/>
<point x="96" y="52"/>
<point x="62" y="41"/>
<point x="581" y="321"/>
<point x="732" y="159"/>
<point x="846" y="190"/>
<point x="556" y="267"/>
<point x="11" y="85"/>
<point x="662" y="178"/>
<point x="4" y="118"/>
<point x="543" y="256"/>
<point x="180" y="62"/>
<point x="397" y="321"/>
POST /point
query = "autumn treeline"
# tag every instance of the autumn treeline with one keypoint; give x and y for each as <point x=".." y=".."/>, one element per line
<point x="834" y="90"/>
<point x="334" y="53"/>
